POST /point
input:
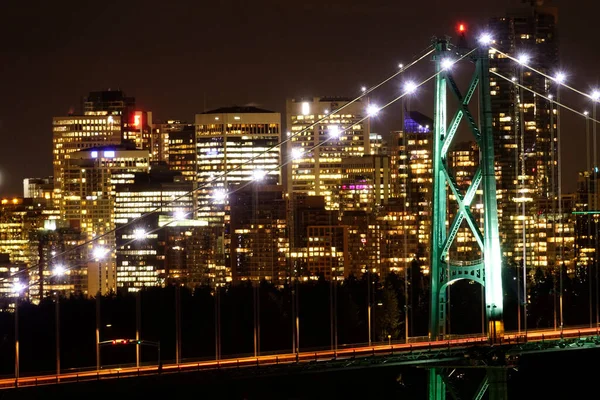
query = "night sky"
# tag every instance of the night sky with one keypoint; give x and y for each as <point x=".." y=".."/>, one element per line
<point x="179" y="58"/>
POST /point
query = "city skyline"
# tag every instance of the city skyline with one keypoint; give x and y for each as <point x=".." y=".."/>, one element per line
<point x="172" y="80"/>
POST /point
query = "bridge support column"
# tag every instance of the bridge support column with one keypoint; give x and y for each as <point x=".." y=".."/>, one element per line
<point x="497" y="381"/>
<point x="437" y="387"/>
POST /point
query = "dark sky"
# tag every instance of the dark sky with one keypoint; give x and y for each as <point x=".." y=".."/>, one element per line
<point x="177" y="57"/>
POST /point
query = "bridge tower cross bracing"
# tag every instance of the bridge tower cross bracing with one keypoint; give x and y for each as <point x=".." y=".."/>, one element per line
<point x="486" y="271"/>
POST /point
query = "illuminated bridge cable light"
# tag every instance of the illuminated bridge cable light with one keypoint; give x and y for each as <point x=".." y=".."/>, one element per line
<point x="447" y="64"/>
<point x="485" y="39"/>
<point x="372" y="110"/>
<point x="308" y="150"/>
<point x="523" y="59"/>
<point x="427" y="51"/>
<point x="410" y="87"/>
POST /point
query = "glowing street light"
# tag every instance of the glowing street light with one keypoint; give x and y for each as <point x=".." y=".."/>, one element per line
<point x="595" y="95"/>
<point x="523" y="59"/>
<point x="485" y="39"/>
<point x="139" y="234"/>
<point x="447" y="63"/>
<point x="586" y="113"/>
<point x="372" y="110"/>
<point x="560" y="77"/>
<point x="297" y="153"/>
<point x="334" y="131"/>
<point x="363" y="89"/>
<point x="59" y="270"/>
<point x="258" y="174"/>
<point x="410" y="87"/>
<point x="400" y="65"/>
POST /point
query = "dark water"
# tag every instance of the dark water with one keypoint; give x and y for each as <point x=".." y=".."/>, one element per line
<point x="566" y="374"/>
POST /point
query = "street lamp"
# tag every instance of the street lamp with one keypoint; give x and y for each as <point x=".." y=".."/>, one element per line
<point x="560" y="78"/>
<point x="99" y="253"/>
<point x="58" y="272"/>
<point x="17" y="289"/>
<point x="595" y="96"/>
<point x="259" y="176"/>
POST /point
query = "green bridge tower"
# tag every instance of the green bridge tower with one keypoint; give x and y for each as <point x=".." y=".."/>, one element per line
<point x="487" y="270"/>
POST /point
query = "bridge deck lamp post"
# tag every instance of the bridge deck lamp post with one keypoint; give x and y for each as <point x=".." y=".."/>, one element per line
<point x="99" y="253"/>
<point x="17" y="289"/>
<point x="59" y="271"/>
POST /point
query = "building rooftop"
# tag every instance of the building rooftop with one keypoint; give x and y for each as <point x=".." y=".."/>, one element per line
<point x="239" y="110"/>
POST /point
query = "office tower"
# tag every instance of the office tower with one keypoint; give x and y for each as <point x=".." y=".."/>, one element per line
<point x="316" y="150"/>
<point x="316" y="242"/>
<point x="411" y="162"/>
<point x="365" y="183"/>
<point x="88" y="203"/>
<point x="108" y="102"/>
<point x="365" y="187"/>
<point x="239" y="141"/>
<point x="142" y="211"/>
<point x="526" y="145"/>
<point x="58" y="259"/>
<point x="89" y="188"/>
<point x="18" y="218"/>
<point x="191" y="256"/>
<point x="181" y="148"/>
<point x="259" y="242"/>
<point x="137" y="131"/>
<point x="80" y="132"/>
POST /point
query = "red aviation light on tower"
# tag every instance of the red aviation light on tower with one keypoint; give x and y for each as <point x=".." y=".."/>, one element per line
<point x="462" y="28"/>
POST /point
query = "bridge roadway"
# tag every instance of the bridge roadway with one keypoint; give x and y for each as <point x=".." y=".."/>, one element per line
<point x="415" y="346"/>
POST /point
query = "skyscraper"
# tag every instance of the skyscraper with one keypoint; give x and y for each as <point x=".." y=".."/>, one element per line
<point x="238" y="141"/>
<point x="526" y="144"/>
<point x="103" y="122"/>
<point x="317" y="149"/>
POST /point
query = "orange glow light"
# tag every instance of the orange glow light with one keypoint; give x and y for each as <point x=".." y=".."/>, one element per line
<point x="462" y="28"/>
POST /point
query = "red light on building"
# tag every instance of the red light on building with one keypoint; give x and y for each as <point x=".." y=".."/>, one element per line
<point x="137" y="118"/>
<point x="462" y="28"/>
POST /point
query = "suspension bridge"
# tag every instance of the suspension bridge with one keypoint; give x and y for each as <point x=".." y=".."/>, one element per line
<point x="440" y="352"/>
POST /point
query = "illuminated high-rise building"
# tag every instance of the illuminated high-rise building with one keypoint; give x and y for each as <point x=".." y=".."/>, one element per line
<point x="526" y="147"/>
<point x="88" y="201"/>
<point x="259" y="240"/>
<point x="239" y="141"/>
<point x="412" y="166"/>
<point x="58" y="261"/>
<point x="181" y="150"/>
<point x="89" y="188"/>
<point x="316" y="150"/>
<point x="143" y="209"/>
<point x="80" y="132"/>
